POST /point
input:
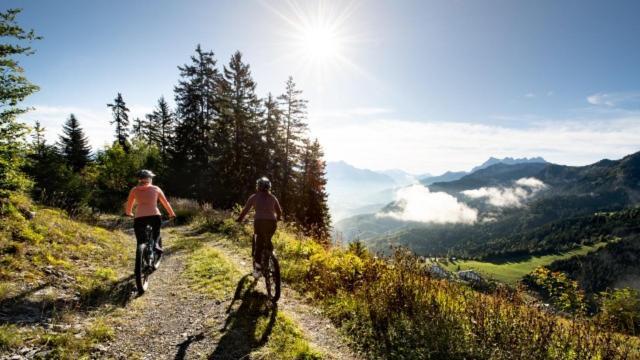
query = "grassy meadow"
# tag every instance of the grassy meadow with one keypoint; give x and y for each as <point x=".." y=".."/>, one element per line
<point x="512" y="272"/>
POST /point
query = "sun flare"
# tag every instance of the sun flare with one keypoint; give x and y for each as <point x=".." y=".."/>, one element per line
<point x="320" y="42"/>
<point x="319" y="37"/>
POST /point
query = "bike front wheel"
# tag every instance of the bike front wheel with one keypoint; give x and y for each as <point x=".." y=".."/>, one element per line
<point x="142" y="275"/>
<point x="272" y="279"/>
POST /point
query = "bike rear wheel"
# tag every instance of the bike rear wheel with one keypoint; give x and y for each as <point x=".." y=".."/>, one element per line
<point x="272" y="278"/>
<point x="141" y="267"/>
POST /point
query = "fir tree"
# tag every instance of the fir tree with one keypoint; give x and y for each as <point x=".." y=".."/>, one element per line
<point x="14" y="89"/>
<point x="161" y="126"/>
<point x="39" y="140"/>
<point x="121" y="120"/>
<point x="139" y="129"/>
<point x="74" y="145"/>
<point x="243" y="110"/>
<point x="294" y="110"/>
<point x="274" y="154"/>
<point x="197" y="99"/>
<point x="313" y="211"/>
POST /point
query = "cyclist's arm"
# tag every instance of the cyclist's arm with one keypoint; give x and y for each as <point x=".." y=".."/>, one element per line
<point x="278" y="210"/>
<point x="165" y="203"/>
<point x="128" y="208"/>
<point x="247" y="208"/>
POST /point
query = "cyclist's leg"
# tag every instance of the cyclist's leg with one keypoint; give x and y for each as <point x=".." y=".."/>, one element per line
<point x="261" y="231"/>
<point x="138" y="228"/>
<point x="270" y="229"/>
<point x="156" y="223"/>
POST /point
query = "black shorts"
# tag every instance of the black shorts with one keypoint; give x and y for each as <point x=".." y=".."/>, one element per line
<point x="264" y="230"/>
<point x="140" y="224"/>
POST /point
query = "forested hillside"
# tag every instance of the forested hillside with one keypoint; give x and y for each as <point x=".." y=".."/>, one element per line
<point x="218" y="140"/>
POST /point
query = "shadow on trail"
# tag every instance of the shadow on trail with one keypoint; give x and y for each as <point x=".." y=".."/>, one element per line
<point x="183" y="346"/>
<point x="244" y="329"/>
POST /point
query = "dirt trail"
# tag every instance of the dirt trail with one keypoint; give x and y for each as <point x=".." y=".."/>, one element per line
<point x="171" y="321"/>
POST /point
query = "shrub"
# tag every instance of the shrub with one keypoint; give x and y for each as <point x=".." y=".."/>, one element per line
<point x="621" y="310"/>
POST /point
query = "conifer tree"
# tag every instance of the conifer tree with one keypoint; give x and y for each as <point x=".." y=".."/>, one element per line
<point x="121" y="120"/>
<point x="294" y="109"/>
<point x="39" y="140"/>
<point x="274" y="154"/>
<point x="196" y="148"/>
<point x="161" y="126"/>
<point x="74" y="145"/>
<point x="14" y="89"/>
<point x="243" y="110"/>
<point x="313" y="211"/>
<point x="139" y="129"/>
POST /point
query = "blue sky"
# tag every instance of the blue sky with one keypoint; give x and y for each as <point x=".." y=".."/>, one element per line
<point x="425" y="86"/>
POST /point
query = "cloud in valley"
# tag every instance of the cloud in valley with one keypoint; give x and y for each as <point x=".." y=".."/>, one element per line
<point x="417" y="203"/>
<point x="514" y="196"/>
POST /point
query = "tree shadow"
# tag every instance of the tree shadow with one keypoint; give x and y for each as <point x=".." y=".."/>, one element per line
<point x="29" y="307"/>
<point x="241" y="329"/>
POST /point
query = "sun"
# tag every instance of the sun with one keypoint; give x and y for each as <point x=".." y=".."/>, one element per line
<point x="318" y="38"/>
<point x="321" y="42"/>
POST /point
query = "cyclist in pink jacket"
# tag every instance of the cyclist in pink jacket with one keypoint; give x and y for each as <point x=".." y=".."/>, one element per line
<point x="146" y="197"/>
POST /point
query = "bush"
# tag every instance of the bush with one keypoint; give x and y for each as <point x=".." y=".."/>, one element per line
<point x="621" y="310"/>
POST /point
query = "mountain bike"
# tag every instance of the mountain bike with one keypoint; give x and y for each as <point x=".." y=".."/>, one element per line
<point x="147" y="258"/>
<point x="270" y="269"/>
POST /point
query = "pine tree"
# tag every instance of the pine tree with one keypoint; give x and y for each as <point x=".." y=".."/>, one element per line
<point x="121" y="119"/>
<point x="243" y="111"/>
<point x="312" y="209"/>
<point x="161" y="126"/>
<point x="39" y="140"/>
<point x="294" y="110"/>
<point x="274" y="153"/>
<point x="139" y="129"/>
<point x="196" y="148"/>
<point x="14" y="89"/>
<point x="74" y="145"/>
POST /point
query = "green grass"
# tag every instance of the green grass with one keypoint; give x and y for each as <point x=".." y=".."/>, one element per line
<point x="10" y="337"/>
<point x="512" y="272"/>
<point x="286" y="341"/>
<point x="69" y="257"/>
<point x="212" y="273"/>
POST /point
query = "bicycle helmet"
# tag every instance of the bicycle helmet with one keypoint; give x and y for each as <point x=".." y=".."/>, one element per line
<point x="263" y="184"/>
<point x="145" y="174"/>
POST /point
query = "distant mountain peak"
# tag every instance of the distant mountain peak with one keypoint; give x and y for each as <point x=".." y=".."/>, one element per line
<point x="509" y="161"/>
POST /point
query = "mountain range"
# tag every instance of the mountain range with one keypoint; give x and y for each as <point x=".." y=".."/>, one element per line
<point x="354" y="191"/>
<point x="517" y="209"/>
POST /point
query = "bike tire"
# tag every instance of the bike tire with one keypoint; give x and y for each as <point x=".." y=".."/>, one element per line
<point x="272" y="279"/>
<point x="142" y="277"/>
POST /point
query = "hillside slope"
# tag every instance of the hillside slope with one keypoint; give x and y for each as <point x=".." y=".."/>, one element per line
<point x="67" y="291"/>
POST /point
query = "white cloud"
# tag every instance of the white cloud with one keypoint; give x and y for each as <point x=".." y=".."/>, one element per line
<point x="529" y="95"/>
<point x="436" y="147"/>
<point x="531" y="183"/>
<point x="620" y="99"/>
<point x="417" y="203"/>
<point x="515" y="196"/>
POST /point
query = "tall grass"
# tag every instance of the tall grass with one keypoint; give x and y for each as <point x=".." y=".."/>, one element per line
<point x="391" y="308"/>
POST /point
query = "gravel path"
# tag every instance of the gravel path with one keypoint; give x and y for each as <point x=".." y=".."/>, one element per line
<point x="171" y="321"/>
